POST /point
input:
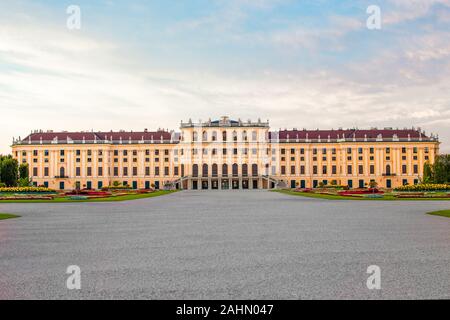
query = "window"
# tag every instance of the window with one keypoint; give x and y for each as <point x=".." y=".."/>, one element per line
<point x="224" y="169"/>
<point x="214" y="136"/>
<point x="372" y="169"/>
<point x="205" y="170"/>
<point x="156" y="171"/>
<point x="61" y="153"/>
<point x="77" y="171"/>
<point x="35" y="172"/>
<point x="89" y="171"/>
<point x="205" y="136"/>
<point x="147" y="171"/>
<point x="349" y="150"/>
<point x="283" y="169"/>
<point x="349" y="169"/>
<point x="403" y="150"/>
<point x="372" y="150"/>
<point x="292" y="169"/>
<point x="100" y="171"/>
<point x="360" y="150"/>
<point x="302" y="151"/>
<point x="125" y="152"/>
<point x="116" y="171"/>
<point x="244" y="136"/>
<point x="135" y="171"/>
<point x="254" y="135"/>
<point x="125" y="171"/>
<point x="314" y="169"/>
<point x="360" y="169"/>
<point x="35" y="153"/>
<point x="62" y="172"/>
<point x="302" y="169"/>
<point x="324" y="170"/>
<point x="224" y="136"/>
<point x="195" y="170"/>
<point x="166" y="171"/>
<point x="245" y="169"/>
<point x="175" y="171"/>
<point x="324" y="150"/>
<point x="235" y="169"/>
<point x="404" y="169"/>
<point x="255" y="169"/>
<point x="388" y="150"/>
<point x="46" y="172"/>
<point x="416" y="169"/>
<point x="388" y="170"/>
<point x="333" y="169"/>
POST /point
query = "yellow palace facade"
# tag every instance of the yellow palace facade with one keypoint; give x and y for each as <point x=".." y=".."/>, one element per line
<point x="226" y="154"/>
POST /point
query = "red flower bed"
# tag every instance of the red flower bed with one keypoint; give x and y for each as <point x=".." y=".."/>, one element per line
<point x="304" y="190"/>
<point x="360" y="191"/>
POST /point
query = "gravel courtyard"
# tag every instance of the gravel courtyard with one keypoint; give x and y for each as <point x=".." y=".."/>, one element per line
<point x="225" y="245"/>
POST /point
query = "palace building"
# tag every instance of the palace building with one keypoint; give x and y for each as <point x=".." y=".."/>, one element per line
<point x="226" y="154"/>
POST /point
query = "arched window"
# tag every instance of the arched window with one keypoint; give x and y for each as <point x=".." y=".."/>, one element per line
<point x="244" y="135"/>
<point x="225" y="169"/>
<point x="245" y="169"/>
<point x="254" y="135"/>
<point x="214" y="136"/>
<point x="195" y="170"/>
<point x="194" y="136"/>
<point x="224" y="136"/>
<point x="205" y="170"/>
<point x="235" y="169"/>
<point x="62" y="172"/>
<point x="388" y="170"/>
<point x="214" y="170"/>
<point x="205" y="136"/>
<point x="254" y="169"/>
<point x="234" y="136"/>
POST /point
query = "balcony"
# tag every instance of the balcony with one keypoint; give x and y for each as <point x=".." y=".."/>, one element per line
<point x="389" y="174"/>
<point x="61" y="177"/>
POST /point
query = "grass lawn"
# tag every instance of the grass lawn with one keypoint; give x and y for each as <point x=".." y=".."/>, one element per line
<point x="337" y="197"/>
<point x="108" y="199"/>
<point x="442" y="213"/>
<point x="4" y="216"/>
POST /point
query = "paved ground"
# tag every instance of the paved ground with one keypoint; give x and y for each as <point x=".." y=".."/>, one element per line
<point x="225" y="245"/>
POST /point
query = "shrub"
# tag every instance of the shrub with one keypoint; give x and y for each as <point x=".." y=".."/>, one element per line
<point x="424" y="187"/>
<point x="25" y="190"/>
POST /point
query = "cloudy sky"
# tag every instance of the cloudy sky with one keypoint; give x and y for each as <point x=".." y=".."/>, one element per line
<point x="149" y="64"/>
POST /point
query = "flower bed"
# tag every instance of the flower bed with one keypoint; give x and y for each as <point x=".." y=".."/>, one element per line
<point x="36" y="197"/>
<point x="424" y="187"/>
<point x="26" y="190"/>
<point x="361" y="191"/>
<point x="112" y="188"/>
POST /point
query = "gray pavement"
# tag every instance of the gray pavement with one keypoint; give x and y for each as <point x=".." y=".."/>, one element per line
<point x="225" y="245"/>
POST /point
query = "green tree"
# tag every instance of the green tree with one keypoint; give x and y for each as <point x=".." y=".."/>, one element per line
<point x="441" y="169"/>
<point x="24" y="172"/>
<point x="427" y="173"/>
<point x="9" y="171"/>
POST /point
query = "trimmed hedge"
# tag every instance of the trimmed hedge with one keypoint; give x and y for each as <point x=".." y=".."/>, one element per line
<point x="424" y="187"/>
<point x="26" y="190"/>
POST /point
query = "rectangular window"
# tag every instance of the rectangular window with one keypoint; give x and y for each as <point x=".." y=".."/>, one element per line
<point x="135" y="171"/>
<point x="147" y="171"/>
<point x="324" y="170"/>
<point x="314" y="169"/>
<point x="283" y="170"/>
<point x="175" y="171"/>
<point x="360" y="169"/>
<point x="166" y="171"/>
<point x="35" y="172"/>
<point x="302" y="169"/>
<point x="116" y="171"/>
<point x="125" y="171"/>
<point x="333" y="170"/>
<point x="77" y="171"/>
<point x="404" y="169"/>
<point x="89" y="171"/>
<point x="292" y="169"/>
<point x="156" y="171"/>
<point x="416" y="169"/>
<point x="349" y="169"/>
<point x="46" y="172"/>
<point x="372" y="169"/>
<point x="100" y="171"/>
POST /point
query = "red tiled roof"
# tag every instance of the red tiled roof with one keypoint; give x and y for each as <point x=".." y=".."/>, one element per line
<point x="99" y="136"/>
<point x="349" y="134"/>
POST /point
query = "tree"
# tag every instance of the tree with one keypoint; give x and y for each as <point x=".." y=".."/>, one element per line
<point x="427" y="173"/>
<point x="441" y="169"/>
<point x="9" y="171"/>
<point x="24" y="171"/>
